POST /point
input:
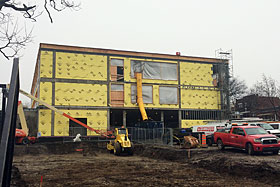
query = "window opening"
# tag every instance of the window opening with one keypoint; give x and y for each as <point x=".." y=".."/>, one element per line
<point x="75" y="128"/>
<point x="117" y="72"/>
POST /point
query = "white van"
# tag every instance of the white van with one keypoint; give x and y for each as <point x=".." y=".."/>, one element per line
<point x="275" y="125"/>
<point x="207" y="129"/>
<point x="268" y="127"/>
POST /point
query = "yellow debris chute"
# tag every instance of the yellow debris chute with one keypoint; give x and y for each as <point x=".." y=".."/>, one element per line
<point x="140" y="97"/>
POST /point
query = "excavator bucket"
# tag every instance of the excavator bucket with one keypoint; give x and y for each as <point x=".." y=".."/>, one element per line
<point x="190" y="142"/>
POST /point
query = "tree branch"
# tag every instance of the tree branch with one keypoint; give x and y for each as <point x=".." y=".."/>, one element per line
<point x="13" y="39"/>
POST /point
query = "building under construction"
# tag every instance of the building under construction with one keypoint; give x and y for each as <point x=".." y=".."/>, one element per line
<point x="100" y="88"/>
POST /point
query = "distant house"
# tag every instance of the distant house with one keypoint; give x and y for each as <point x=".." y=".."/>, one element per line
<point x="258" y="106"/>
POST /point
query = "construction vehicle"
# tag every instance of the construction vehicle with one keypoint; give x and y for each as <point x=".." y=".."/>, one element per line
<point x="121" y="143"/>
<point x="22" y="135"/>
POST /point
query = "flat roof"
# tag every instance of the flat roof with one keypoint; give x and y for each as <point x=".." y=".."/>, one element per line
<point x="67" y="48"/>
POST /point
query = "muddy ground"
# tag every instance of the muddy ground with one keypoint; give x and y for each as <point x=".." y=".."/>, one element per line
<point x="67" y="165"/>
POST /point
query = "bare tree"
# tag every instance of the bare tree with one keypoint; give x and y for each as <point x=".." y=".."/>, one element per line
<point x="15" y="36"/>
<point x="237" y="89"/>
<point x="269" y="88"/>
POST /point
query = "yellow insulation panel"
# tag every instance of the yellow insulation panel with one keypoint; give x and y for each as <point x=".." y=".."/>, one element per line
<point x="46" y="64"/>
<point x="75" y="94"/>
<point x="155" y="104"/>
<point x="200" y="99"/>
<point x="44" y="122"/>
<point x="46" y="92"/>
<point x="190" y="123"/>
<point x="196" y="74"/>
<point x="96" y="119"/>
<point x="127" y="71"/>
<point x="81" y="66"/>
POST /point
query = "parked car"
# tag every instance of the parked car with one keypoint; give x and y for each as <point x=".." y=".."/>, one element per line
<point x="251" y="138"/>
<point x="268" y="128"/>
<point x="275" y="125"/>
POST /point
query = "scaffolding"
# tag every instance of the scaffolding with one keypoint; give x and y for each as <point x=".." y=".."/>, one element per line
<point x="226" y="55"/>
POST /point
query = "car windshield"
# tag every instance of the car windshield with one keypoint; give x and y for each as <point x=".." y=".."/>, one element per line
<point x="122" y="131"/>
<point x="266" y="126"/>
<point x="255" y="131"/>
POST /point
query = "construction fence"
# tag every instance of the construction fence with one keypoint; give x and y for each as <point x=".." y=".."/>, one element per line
<point x="135" y="134"/>
<point x="151" y="135"/>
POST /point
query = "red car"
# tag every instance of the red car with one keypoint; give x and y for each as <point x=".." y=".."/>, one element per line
<point x="251" y="138"/>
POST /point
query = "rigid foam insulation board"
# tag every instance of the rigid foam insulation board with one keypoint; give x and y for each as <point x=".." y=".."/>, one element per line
<point x="196" y="74"/>
<point x="81" y="66"/>
<point x="190" y="123"/>
<point x="46" y="64"/>
<point x="75" y="94"/>
<point x="46" y="92"/>
<point x="44" y="122"/>
<point x="200" y="99"/>
<point x="96" y="119"/>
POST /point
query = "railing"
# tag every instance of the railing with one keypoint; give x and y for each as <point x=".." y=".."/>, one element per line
<point x="151" y="135"/>
<point x="162" y="136"/>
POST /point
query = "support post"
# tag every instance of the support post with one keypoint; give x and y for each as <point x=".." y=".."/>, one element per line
<point x="9" y="128"/>
<point x="124" y="118"/>
<point x="180" y="118"/>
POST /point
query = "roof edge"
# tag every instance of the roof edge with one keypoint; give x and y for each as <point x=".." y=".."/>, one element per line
<point x="128" y="53"/>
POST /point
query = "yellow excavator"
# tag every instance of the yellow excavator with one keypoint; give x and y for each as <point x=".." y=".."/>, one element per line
<point x="121" y="143"/>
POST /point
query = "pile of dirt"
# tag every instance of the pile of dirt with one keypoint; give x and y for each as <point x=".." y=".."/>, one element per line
<point x="60" y="148"/>
<point x="16" y="179"/>
<point x="71" y="156"/>
<point x="164" y="153"/>
<point x="231" y="162"/>
<point x="109" y="170"/>
<point x="262" y="168"/>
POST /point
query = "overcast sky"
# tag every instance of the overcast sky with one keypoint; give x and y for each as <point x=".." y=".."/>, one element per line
<point x="251" y="28"/>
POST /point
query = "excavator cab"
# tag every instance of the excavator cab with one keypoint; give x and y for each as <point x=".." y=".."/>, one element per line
<point x="121" y="143"/>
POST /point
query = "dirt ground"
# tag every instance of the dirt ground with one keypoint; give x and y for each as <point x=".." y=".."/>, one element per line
<point x="151" y="166"/>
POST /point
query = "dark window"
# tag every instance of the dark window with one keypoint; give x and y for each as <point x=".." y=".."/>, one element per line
<point x="241" y="132"/>
<point x="215" y="69"/>
<point x="120" y="74"/>
<point x="275" y="126"/>
<point x="75" y="128"/>
<point x="235" y="131"/>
